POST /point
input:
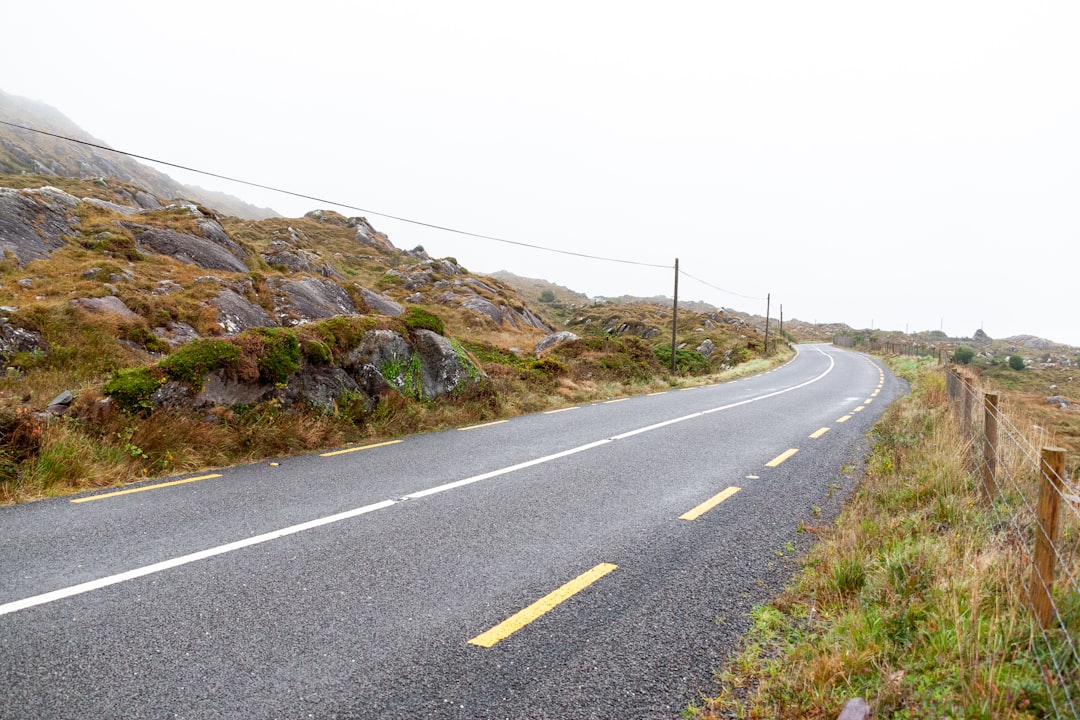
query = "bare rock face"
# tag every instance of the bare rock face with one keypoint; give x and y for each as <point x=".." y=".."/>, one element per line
<point x="706" y="348"/>
<point x="379" y="348"/>
<point x="33" y="223"/>
<point x="299" y="301"/>
<point x="553" y="340"/>
<point x="321" y="387"/>
<point x="367" y="235"/>
<point x="442" y="369"/>
<point x="236" y="313"/>
<point x="109" y="304"/>
<point x="220" y="389"/>
<point x="204" y="252"/>
<point x="379" y="303"/>
<point x="14" y="340"/>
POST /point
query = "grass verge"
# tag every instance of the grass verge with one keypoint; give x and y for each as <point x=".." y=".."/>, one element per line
<point x="913" y="599"/>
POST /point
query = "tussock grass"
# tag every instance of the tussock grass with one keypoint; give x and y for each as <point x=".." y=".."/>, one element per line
<point x="914" y="599"/>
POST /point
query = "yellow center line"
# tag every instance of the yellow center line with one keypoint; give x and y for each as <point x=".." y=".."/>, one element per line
<point x="144" y="489"/>
<point x="608" y="402"/>
<point x="859" y="409"/>
<point x="752" y="477"/>
<point x="709" y="504"/>
<point x="819" y="433"/>
<point x="483" y="425"/>
<point x="781" y="457"/>
<point x="869" y="400"/>
<point x="552" y="412"/>
<point x="358" y="449"/>
<point x="522" y="618"/>
<point x="843" y="419"/>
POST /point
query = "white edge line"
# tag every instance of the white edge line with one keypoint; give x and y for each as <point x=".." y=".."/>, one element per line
<point x="185" y="559"/>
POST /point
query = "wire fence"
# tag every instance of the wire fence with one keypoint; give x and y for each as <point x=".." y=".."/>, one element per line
<point x="1024" y="479"/>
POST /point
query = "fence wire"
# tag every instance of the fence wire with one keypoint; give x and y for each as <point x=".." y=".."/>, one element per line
<point x="1013" y="476"/>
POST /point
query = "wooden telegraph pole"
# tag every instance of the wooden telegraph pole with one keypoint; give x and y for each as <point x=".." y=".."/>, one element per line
<point x="768" y="299"/>
<point x="675" y="317"/>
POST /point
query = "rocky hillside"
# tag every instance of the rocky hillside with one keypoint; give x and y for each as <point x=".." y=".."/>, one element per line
<point x="140" y="334"/>
<point x="22" y="151"/>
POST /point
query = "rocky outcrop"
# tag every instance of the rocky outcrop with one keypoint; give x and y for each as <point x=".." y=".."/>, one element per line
<point x="490" y="304"/>
<point x="367" y="235"/>
<point x="299" y="301"/>
<point x="109" y="304"/>
<point x="236" y="313"/>
<point x="379" y="303"/>
<point x="427" y="366"/>
<point x="213" y="251"/>
<point x="442" y="368"/>
<point x="34" y="223"/>
<point x="553" y="340"/>
<point x="15" y="340"/>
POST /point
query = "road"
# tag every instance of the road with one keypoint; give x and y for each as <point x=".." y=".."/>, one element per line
<point x="596" y="562"/>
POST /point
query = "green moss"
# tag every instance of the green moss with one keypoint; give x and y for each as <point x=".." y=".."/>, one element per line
<point x="191" y="362"/>
<point x="280" y="356"/>
<point x="342" y="334"/>
<point x="131" y="388"/>
<point x="417" y="318"/>
<point x="405" y="376"/>
<point x="316" y="351"/>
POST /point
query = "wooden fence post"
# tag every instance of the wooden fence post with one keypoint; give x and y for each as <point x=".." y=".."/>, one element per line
<point x="990" y="444"/>
<point x="968" y="388"/>
<point x="1052" y="470"/>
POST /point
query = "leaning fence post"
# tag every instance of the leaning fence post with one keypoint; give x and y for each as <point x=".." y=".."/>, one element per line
<point x="1052" y="470"/>
<point x="990" y="444"/>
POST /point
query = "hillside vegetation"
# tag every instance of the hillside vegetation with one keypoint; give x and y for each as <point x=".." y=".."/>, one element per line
<point x="189" y="339"/>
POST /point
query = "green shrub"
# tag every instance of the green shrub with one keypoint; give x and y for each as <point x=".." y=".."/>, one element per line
<point x="131" y="388"/>
<point x="687" y="362"/>
<point x="417" y="318"/>
<point x="280" y="354"/>
<point x="190" y="363"/>
<point x="1016" y="362"/>
<point x="547" y="296"/>
<point x="963" y="355"/>
<point x="548" y="366"/>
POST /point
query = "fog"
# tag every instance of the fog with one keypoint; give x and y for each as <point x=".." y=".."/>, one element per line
<point x="905" y="167"/>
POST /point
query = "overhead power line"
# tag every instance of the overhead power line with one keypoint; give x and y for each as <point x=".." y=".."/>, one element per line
<point x="714" y="287"/>
<point x="334" y="202"/>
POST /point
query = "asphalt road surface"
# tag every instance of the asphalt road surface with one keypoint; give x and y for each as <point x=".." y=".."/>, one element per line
<point x="595" y="562"/>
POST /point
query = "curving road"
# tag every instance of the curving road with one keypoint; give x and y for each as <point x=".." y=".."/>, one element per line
<point x="596" y="562"/>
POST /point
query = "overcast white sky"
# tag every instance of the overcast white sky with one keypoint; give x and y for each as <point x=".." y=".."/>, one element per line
<point x="908" y="166"/>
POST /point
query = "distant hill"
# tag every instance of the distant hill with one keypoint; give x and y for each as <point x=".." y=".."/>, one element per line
<point x="22" y="151"/>
<point x="530" y="288"/>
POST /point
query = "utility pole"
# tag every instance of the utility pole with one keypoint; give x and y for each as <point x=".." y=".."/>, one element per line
<point x="768" y="299"/>
<point x="675" y="317"/>
<point x="781" y="320"/>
